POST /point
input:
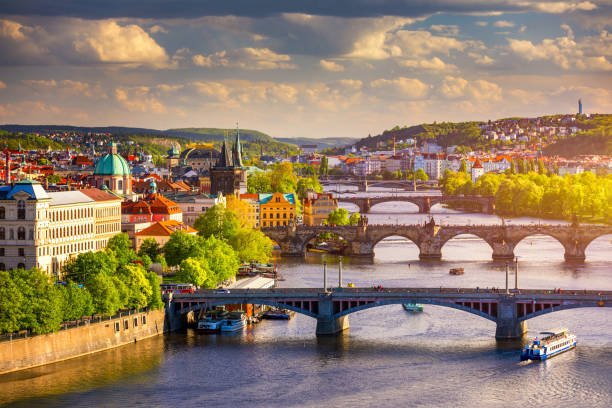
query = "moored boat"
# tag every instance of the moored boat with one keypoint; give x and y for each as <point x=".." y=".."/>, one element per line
<point x="212" y="321"/>
<point x="413" y="307"/>
<point x="277" y="313"/>
<point x="235" y="321"/>
<point x="551" y="343"/>
<point x="456" y="271"/>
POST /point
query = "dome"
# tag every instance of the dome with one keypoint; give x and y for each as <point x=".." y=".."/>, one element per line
<point x="112" y="165"/>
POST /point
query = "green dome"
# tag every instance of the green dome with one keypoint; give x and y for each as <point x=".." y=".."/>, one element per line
<point x="112" y="165"/>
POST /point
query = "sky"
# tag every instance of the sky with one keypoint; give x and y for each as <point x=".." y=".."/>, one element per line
<point x="315" y="68"/>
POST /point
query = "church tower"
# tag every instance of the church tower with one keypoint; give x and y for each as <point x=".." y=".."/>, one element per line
<point x="227" y="175"/>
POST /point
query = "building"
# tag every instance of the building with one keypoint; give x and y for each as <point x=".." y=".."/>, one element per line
<point x="253" y="201"/>
<point x="161" y="232"/>
<point x="276" y="209"/>
<point x="113" y="172"/>
<point x="308" y="148"/>
<point x="200" y="158"/>
<point x="192" y="205"/>
<point x="173" y="157"/>
<point x="317" y="207"/>
<point x="45" y="230"/>
<point x="477" y="171"/>
<point x="228" y="174"/>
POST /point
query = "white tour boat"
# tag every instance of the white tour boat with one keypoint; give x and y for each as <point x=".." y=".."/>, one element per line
<point x="212" y="321"/>
<point x="551" y="343"/>
<point x="235" y="321"/>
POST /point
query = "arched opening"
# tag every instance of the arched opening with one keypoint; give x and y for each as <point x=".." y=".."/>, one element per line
<point x="394" y="207"/>
<point x="600" y="249"/>
<point x="327" y="243"/>
<point x="350" y="207"/>
<point x="2" y="213"/>
<point x="396" y="248"/>
<point x="539" y="248"/>
<point x="441" y="208"/>
<point x="21" y="210"/>
<point x="467" y="247"/>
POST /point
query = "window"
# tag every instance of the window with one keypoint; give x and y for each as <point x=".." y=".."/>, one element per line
<point x="21" y="251"/>
<point x="144" y="319"/>
<point x="2" y="213"/>
<point x="2" y="267"/>
<point x="20" y="265"/>
<point x="264" y="215"/>
<point x="31" y="235"/>
<point x="126" y="324"/>
<point x="135" y="322"/>
<point x="21" y="213"/>
<point x="2" y="233"/>
<point x="21" y="233"/>
<point x="120" y="185"/>
<point x="2" y="252"/>
<point x="117" y="326"/>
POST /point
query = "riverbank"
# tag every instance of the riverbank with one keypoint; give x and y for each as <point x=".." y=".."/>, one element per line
<point x="28" y="352"/>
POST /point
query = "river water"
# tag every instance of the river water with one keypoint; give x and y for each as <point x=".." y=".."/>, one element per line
<point x="388" y="358"/>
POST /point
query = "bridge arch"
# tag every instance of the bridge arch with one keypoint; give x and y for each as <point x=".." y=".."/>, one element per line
<point x="422" y="301"/>
<point x="481" y="238"/>
<point x="558" y="308"/>
<point x="210" y="305"/>
<point x="602" y="245"/>
<point x="405" y="202"/>
<point x="411" y="245"/>
<point x="527" y="240"/>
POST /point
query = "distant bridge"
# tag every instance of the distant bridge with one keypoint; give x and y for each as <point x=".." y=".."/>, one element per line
<point x="331" y="308"/>
<point x="424" y="202"/>
<point x="365" y="184"/>
<point x="430" y="238"/>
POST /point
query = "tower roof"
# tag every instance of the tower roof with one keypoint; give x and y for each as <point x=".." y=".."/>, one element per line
<point x="225" y="158"/>
<point x="112" y="165"/>
<point x="237" y="149"/>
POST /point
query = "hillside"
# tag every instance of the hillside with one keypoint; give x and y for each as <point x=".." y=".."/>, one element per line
<point x="597" y="139"/>
<point x="323" y="143"/>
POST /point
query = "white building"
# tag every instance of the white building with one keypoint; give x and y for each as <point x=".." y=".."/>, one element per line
<point x="45" y="230"/>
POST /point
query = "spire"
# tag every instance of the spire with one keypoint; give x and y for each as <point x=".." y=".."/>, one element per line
<point x="237" y="149"/>
<point x="225" y="158"/>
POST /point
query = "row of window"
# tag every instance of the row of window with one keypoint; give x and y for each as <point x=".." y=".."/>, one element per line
<point x="20" y="252"/>
<point x="70" y="214"/>
<point x="21" y="211"/>
<point x="71" y="231"/>
<point x="19" y="265"/>
<point x="126" y="323"/>
<point x="273" y="223"/>
<point x="108" y="228"/>
<point x="264" y="215"/>
<point x="21" y="234"/>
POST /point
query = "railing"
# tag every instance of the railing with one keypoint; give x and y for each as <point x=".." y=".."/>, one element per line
<point x="83" y="321"/>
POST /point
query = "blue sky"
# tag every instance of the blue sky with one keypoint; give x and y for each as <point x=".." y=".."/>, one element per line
<point x="311" y="69"/>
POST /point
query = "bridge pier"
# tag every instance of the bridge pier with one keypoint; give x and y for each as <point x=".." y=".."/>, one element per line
<point x="502" y="252"/>
<point x="429" y="251"/>
<point x="508" y="325"/>
<point x="327" y="324"/>
<point x="575" y="254"/>
<point x="291" y="249"/>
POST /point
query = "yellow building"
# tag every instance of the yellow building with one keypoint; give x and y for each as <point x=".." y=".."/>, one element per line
<point x="276" y="209"/>
<point x="317" y="207"/>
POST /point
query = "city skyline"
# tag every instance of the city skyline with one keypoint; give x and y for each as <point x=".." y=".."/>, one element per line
<point x="348" y="69"/>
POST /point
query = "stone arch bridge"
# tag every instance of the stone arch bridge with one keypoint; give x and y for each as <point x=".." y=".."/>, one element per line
<point x="424" y="202"/>
<point x="430" y="238"/>
<point x="509" y="311"/>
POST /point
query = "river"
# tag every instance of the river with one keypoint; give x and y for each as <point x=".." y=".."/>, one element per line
<point x="388" y="358"/>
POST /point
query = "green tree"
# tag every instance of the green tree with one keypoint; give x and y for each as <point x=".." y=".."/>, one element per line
<point x="180" y="246"/>
<point x="541" y="168"/>
<point x="512" y="167"/>
<point x="195" y="271"/>
<point x="154" y="301"/>
<point x="258" y="183"/>
<point x="150" y="247"/>
<point x="324" y="167"/>
<point x="104" y="293"/>
<point x="521" y="168"/>
<point x="138" y="287"/>
<point x="463" y="167"/>
<point x="339" y="216"/>
<point x="121" y="245"/>
<point x="77" y="301"/>
<point x="308" y="183"/>
<point x="90" y="263"/>
<point x="354" y="219"/>
<point x="11" y="304"/>
<point x="421" y="175"/>
<point x="216" y="221"/>
<point x="221" y="257"/>
<point x="251" y="244"/>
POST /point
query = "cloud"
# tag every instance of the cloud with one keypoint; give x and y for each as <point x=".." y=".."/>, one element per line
<point x="350" y="84"/>
<point x="503" y="24"/>
<point x="592" y="53"/>
<point x="408" y="88"/>
<point x="434" y="64"/>
<point x="157" y="29"/>
<point x="246" y="58"/>
<point x="331" y="66"/>
<point x="481" y="59"/>
<point x="558" y="7"/>
<point x="477" y="90"/>
<point x="450" y="30"/>
<point x="2" y="85"/>
<point x="139" y="99"/>
<point x="482" y="23"/>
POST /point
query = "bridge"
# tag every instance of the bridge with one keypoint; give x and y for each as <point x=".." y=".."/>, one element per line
<point x="331" y="308"/>
<point x="424" y="202"/>
<point x="365" y="184"/>
<point x="430" y="238"/>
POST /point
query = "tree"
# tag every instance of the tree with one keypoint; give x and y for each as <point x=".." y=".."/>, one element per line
<point x="77" y="301"/>
<point x="216" y="221"/>
<point x="221" y="257"/>
<point x="282" y="178"/>
<point x="251" y="244"/>
<point x="90" y="263"/>
<point x="11" y="312"/>
<point x="512" y="167"/>
<point x="53" y="179"/>
<point x="258" y="183"/>
<point x="104" y="293"/>
<point x="195" y="271"/>
<point x="463" y="167"/>
<point x="242" y="209"/>
<point x="421" y="175"/>
<point x="122" y="247"/>
<point x="521" y="168"/>
<point x="180" y="246"/>
<point x="150" y="247"/>
<point x="308" y="183"/>
<point x="324" y="166"/>
<point x="154" y="300"/>
<point x="339" y="216"/>
<point x="138" y="288"/>
<point x="541" y="168"/>
<point x="354" y="219"/>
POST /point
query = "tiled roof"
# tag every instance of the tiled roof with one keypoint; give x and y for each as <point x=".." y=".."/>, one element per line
<point x="98" y="195"/>
<point x="166" y="228"/>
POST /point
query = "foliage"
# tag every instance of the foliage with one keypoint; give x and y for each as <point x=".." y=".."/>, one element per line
<point x="180" y="246"/>
<point x="217" y="221"/>
<point x="324" y="166"/>
<point x="139" y="291"/>
<point x="195" y="271"/>
<point x="11" y="301"/>
<point x="258" y="183"/>
<point x="77" y="301"/>
<point x="354" y="219"/>
<point x="339" y="216"/>
<point x="151" y="248"/>
<point x="251" y="244"/>
<point x="121" y="245"/>
<point x="421" y="175"/>
<point x="308" y="183"/>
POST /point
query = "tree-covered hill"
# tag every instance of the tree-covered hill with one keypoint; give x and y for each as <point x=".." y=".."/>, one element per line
<point x="595" y="139"/>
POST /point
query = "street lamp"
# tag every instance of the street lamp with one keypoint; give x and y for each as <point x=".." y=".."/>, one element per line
<point x="516" y="273"/>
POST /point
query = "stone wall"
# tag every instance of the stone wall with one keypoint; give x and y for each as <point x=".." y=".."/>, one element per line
<point x="79" y="341"/>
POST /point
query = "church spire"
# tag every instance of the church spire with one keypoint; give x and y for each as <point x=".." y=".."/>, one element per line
<point x="237" y="149"/>
<point x="225" y="158"/>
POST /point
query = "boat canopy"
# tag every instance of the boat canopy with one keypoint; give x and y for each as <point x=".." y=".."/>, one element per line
<point x="553" y="332"/>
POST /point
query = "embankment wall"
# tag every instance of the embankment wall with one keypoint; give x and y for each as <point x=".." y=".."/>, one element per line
<point x="19" y="354"/>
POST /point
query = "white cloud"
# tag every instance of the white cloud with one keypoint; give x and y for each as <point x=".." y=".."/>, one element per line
<point x="477" y="90"/>
<point x="522" y="29"/>
<point x="503" y="24"/>
<point x="331" y="66"/>
<point x="558" y="7"/>
<point x="139" y="99"/>
<point x="2" y="85"/>
<point x="482" y="59"/>
<point x="350" y="84"/>
<point x="409" y="88"/>
<point x="245" y="58"/>
<point x="423" y="43"/>
<point x="158" y="29"/>
<point x="434" y="64"/>
<point x="482" y="23"/>
<point x="451" y="30"/>
<point x="591" y="53"/>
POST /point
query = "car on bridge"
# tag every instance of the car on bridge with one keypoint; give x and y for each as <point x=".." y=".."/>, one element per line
<point x="221" y="291"/>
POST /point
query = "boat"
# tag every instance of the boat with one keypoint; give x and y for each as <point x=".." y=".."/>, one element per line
<point x="550" y="343"/>
<point x="278" y="314"/>
<point x="235" y="321"/>
<point x="456" y="271"/>
<point x="212" y="321"/>
<point x="413" y="307"/>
